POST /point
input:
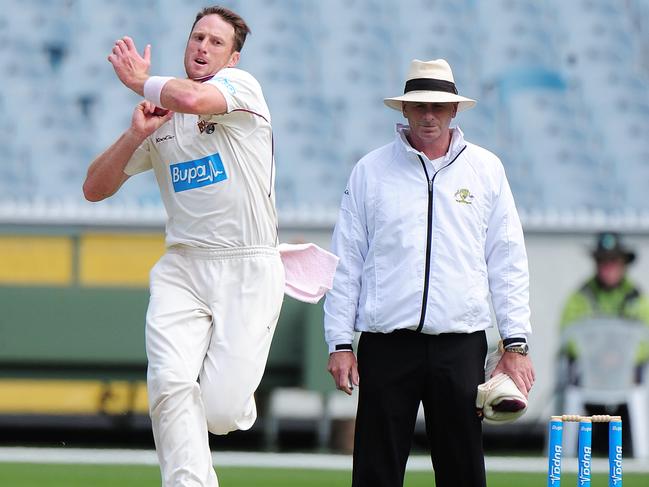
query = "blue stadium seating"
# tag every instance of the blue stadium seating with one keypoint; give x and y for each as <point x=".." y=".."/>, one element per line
<point x="563" y="91"/>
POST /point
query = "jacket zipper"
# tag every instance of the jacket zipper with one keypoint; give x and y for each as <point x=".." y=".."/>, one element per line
<point x="429" y="234"/>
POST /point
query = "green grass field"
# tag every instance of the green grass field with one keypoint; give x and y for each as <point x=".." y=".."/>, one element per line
<point x="37" y="475"/>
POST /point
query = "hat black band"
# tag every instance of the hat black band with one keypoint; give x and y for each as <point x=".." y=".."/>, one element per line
<point x="428" y="84"/>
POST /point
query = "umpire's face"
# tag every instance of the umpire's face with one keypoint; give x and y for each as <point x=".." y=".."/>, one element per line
<point x="429" y="121"/>
<point x="210" y="47"/>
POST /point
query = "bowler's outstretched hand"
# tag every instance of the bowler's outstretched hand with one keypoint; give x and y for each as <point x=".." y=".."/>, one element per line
<point x="131" y="68"/>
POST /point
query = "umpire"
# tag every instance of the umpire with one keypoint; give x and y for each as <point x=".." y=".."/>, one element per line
<point x="426" y="230"/>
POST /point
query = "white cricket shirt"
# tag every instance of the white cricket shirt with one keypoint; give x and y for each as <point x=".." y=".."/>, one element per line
<point x="216" y="172"/>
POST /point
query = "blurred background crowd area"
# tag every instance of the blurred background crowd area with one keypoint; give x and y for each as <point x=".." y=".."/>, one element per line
<point x="563" y="91"/>
<point x="563" y="99"/>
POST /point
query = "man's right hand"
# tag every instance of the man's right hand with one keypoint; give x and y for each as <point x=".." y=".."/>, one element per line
<point x="144" y="122"/>
<point x="131" y="68"/>
<point x="343" y="368"/>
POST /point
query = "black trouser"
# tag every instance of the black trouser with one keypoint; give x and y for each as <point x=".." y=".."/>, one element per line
<point x="397" y="371"/>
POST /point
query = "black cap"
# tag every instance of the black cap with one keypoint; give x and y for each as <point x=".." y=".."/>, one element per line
<point x="609" y="246"/>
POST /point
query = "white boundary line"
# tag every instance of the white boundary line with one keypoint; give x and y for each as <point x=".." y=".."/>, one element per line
<point x="416" y="463"/>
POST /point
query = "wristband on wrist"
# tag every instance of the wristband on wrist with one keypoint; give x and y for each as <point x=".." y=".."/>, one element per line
<point x="344" y="346"/>
<point x="153" y="89"/>
<point x="508" y="342"/>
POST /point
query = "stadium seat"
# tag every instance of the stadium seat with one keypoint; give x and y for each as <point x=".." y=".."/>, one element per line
<point x="606" y="370"/>
<point x="328" y="112"/>
<point x="292" y="408"/>
<point x="340" y="414"/>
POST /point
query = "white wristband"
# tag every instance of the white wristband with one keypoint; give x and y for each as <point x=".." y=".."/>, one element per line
<point x="153" y="89"/>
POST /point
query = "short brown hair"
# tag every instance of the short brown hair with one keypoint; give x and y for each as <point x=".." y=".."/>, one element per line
<point x="241" y="29"/>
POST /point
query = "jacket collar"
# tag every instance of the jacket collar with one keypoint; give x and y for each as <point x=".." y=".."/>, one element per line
<point x="457" y="143"/>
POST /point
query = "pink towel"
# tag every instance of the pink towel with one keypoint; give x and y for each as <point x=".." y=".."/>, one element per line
<point x="309" y="271"/>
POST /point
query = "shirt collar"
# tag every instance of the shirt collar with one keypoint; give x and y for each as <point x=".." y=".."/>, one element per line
<point x="456" y="145"/>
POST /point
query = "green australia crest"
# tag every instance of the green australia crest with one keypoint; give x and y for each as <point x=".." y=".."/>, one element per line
<point x="463" y="195"/>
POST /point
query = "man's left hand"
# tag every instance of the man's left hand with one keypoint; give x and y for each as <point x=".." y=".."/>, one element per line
<point x="519" y="368"/>
<point x="131" y="68"/>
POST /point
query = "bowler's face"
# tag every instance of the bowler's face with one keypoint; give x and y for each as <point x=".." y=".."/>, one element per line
<point x="429" y="121"/>
<point x="210" y="47"/>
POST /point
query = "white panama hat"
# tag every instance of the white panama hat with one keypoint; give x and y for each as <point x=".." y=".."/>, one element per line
<point x="430" y="82"/>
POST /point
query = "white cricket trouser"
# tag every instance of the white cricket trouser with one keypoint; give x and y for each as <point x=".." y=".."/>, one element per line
<point x="211" y="317"/>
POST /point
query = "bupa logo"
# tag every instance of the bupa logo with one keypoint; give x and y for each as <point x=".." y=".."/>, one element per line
<point x="616" y="464"/>
<point x="198" y="173"/>
<point x="583" y="474"/>
<point x="554" y="473"/>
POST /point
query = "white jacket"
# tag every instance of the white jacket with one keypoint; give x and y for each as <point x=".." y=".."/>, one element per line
<point x="422" y="250"/>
